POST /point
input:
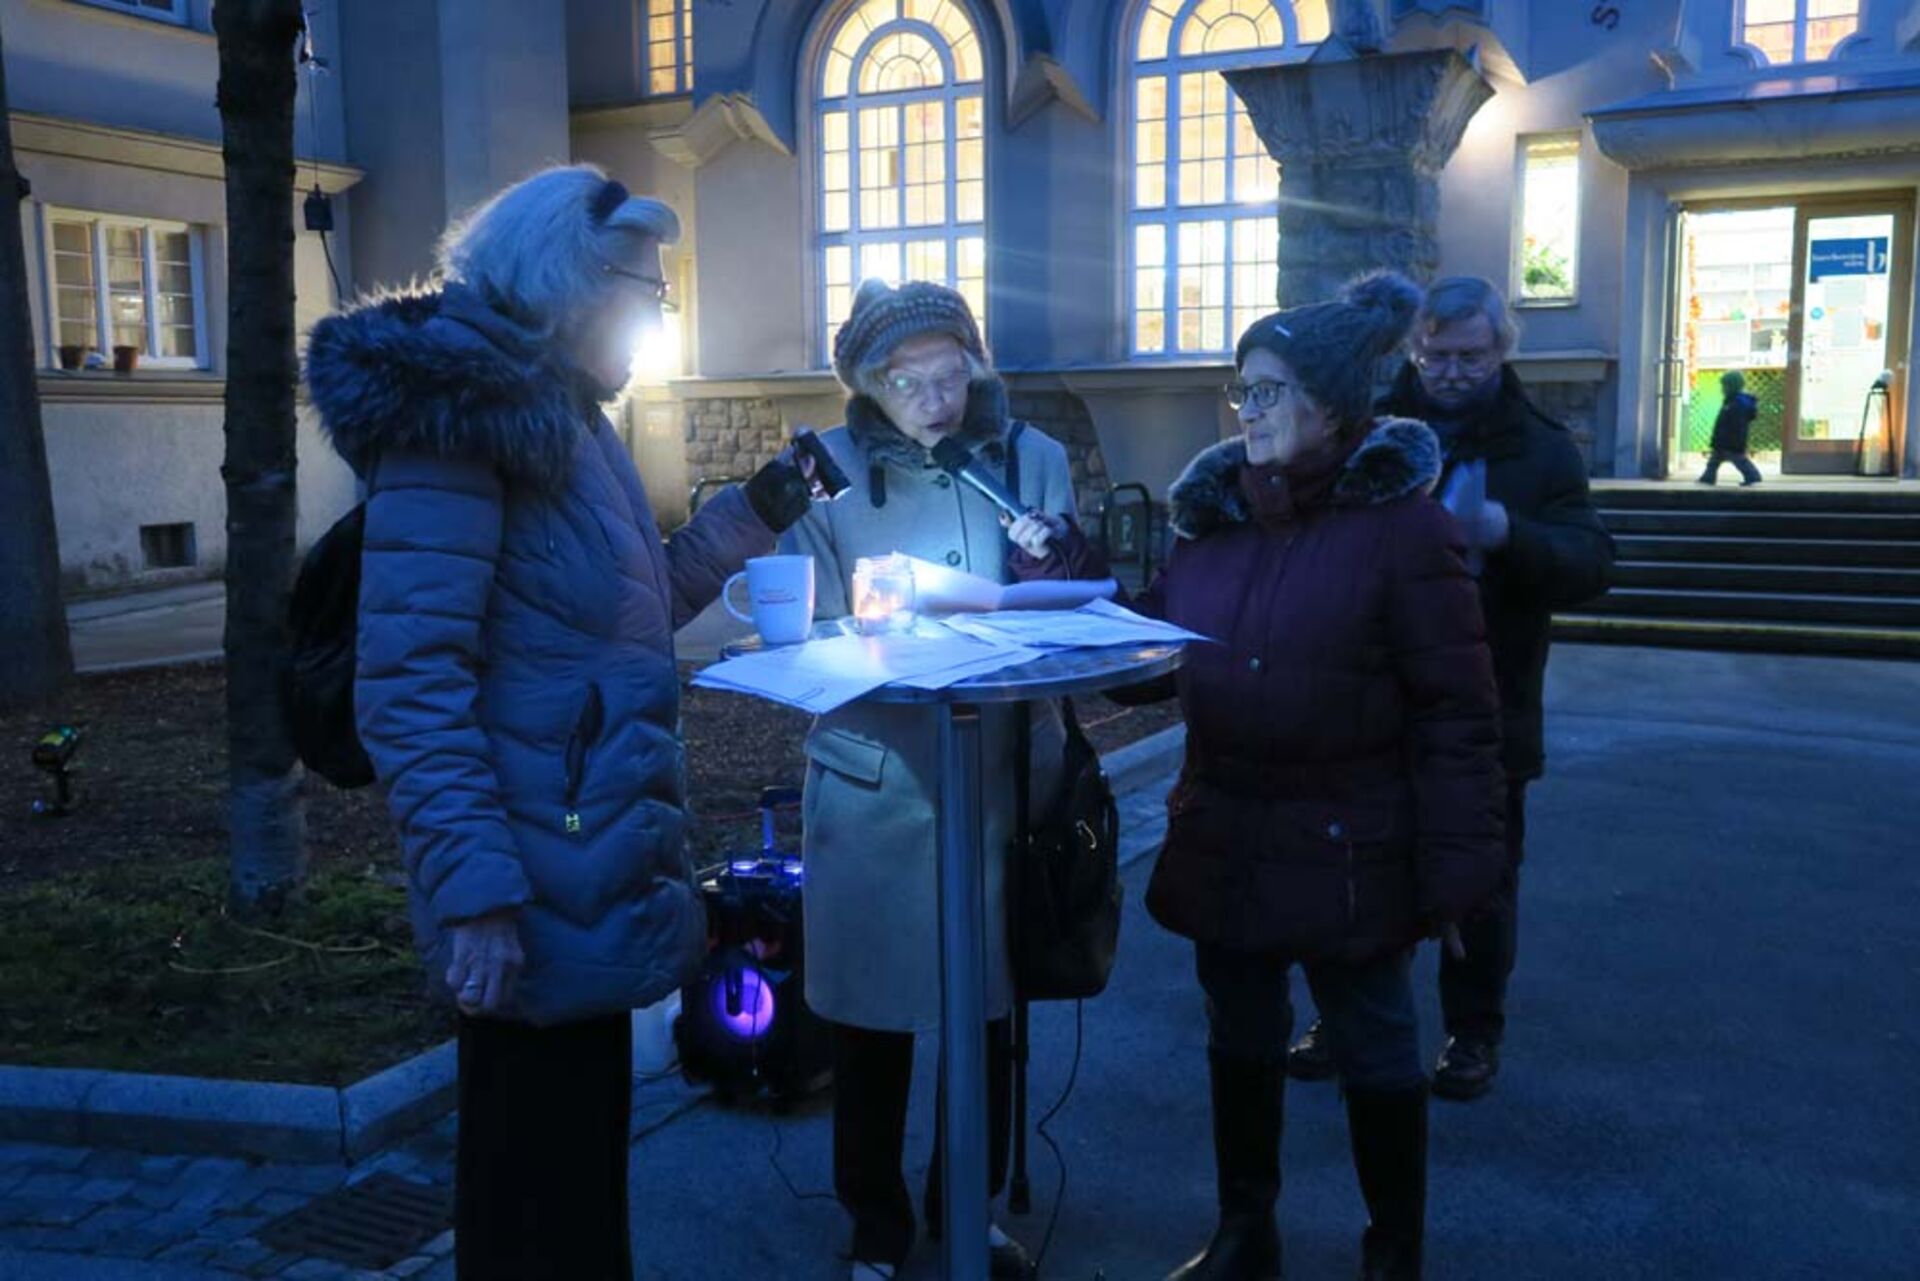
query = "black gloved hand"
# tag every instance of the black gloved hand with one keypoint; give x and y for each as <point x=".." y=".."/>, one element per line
<point x="779" y="492"/>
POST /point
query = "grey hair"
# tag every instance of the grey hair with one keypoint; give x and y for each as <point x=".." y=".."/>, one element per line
<point x="1456" y="298"/>
<point x="871" y="377"/>
<point x="536" y="251"/>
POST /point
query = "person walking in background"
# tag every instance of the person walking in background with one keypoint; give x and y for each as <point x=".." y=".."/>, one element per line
<point x="516" y="689"/>
<point x="1518" y="485"/>
<point x="1341" y="793"/>
<point x="1731" y="430"/>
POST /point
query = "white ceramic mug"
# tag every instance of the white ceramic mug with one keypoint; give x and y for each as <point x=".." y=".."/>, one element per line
<point x="779" y="596"/>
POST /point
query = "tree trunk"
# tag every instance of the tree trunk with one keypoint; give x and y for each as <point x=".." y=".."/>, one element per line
<point x="256" y="99"/>
<point x="34" y="657"/>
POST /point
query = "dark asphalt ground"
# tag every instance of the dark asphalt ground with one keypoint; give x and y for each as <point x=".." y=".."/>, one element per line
<point x="1711" y="1068"/>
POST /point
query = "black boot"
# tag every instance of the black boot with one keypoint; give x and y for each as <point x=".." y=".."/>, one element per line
<point x="1388" y="1129"/>
<point x="1248" y="1105"/>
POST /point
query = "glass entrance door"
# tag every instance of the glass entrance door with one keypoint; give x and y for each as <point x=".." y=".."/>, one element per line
<point x="1809" y="303"/>
<point x="1852" y="317"/>
<point x="1735" y="303"/>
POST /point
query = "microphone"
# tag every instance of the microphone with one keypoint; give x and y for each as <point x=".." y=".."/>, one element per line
<point x="955" y="459"/>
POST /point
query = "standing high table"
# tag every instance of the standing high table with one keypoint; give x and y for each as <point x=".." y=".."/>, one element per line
<point x="963" y="969"/>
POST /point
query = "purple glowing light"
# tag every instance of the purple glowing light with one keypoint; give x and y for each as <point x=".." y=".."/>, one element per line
<point x="744" y="865"/>
<point x="754" y="998"/>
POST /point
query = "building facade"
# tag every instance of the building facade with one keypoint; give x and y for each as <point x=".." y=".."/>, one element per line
<point x="1666" y="189"/>
<point x="115" y="128"/>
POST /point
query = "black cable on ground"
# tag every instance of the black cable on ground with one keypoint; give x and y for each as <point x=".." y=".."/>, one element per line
<point x="1066" y="1092"/>
<point x="681" y="1110"/>
<point x="773" y="1159"/>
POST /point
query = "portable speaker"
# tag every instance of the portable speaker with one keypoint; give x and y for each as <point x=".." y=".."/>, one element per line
<point x="744" y="1026"/>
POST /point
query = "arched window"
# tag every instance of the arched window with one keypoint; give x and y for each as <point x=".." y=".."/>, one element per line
<point x="669" y="47"/>
<point x="1797" y="30"/>
<point x="900" y="119"/>
<point x="1205" y="193"/>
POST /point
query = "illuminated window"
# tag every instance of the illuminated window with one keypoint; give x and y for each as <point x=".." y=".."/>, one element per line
<point x="121" y="282"/>
<point x="902" y="178"/>
<point x="669" y="47"/>
<point x="174" y="11"/>
<point x="1547" y="255"/>
<point x="1797" y="30"/>
<point x="1205" y="194"/>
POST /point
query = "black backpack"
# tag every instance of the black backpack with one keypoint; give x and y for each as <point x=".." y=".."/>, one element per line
<point x="316" y="688"/>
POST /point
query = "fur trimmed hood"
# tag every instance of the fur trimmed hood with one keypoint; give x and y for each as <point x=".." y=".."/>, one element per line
<point x="983" y="429"/>
<point x="441" y="373"/>
<point x="1398" y="457"/>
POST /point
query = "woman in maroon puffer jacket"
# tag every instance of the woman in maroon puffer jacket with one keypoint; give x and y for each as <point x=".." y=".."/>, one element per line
<point x="1341" y="794"/>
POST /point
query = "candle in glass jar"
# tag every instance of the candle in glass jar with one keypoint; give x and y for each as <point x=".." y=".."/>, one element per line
<point x="882" y="594"/>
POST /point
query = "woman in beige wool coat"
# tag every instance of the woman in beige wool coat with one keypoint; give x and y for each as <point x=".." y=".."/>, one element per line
<point x="916" y="372"/>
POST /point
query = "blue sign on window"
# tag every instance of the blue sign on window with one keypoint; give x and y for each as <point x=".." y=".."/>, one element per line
<point x="1852" y="256"/>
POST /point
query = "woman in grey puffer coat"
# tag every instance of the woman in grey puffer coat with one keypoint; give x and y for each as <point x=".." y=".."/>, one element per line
<point x="913" y="362"/>
<point x="516" y="687"/>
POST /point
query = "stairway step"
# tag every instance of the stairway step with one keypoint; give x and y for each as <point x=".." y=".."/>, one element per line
<point x="1865" y="611"/>
<point x="1722" y="634"/>
<point x="1863" y="553"/>
<point x="1794" y="525"/>
<point x="1866" y="496"/>
<point x="1830" y="579"/>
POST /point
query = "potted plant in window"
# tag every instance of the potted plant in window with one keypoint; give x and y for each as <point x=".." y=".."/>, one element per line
<point x="126" y="359"/>
<point x="73" y="355"/>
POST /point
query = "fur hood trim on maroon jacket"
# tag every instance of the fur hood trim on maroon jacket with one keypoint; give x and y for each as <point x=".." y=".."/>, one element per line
<point x="1398" y="457"/>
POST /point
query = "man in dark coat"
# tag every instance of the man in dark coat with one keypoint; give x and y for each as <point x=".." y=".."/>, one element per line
<point x="1731" y="428"/>
<point x="1518" y="486"/>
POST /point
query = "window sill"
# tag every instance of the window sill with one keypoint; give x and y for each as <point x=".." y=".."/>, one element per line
<point x="150" y="21"/>
<point x="1545" y="304"/>
<point x="184" y="386"/>
<point x="1570" y="365"/>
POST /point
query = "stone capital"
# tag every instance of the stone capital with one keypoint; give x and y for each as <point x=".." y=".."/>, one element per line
<point x="1393" y="110"/>
<point x="1361" y="139"/>
<point x="1042" y="81"/>
<point x="718" y="123"/>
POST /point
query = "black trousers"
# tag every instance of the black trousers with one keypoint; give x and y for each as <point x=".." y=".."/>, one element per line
<point x="872" y="1075"/>
<point x="1473" y="990"/>
<point x="1748" y="472"/>
<point x="540" y="1175"/>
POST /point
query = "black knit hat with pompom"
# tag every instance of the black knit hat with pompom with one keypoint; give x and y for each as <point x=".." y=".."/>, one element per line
<point x="1333" y="347"/>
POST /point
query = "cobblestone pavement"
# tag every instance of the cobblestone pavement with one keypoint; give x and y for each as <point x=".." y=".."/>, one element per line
<point x="199" y="1211"/>
<point x="203" y="1212"/>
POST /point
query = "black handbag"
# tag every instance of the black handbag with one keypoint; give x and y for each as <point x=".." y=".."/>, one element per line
<point x="1064" y="895"/>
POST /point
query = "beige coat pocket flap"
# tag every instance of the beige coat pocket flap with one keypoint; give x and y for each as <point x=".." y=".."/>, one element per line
<point x="844" y="752"/>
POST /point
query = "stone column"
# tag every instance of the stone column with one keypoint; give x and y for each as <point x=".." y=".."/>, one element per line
<point x="1361" y="138"/>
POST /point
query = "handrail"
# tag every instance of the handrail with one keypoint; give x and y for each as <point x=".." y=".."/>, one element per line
<point x="1111" y="538"/>
<point x="704" y="483"/>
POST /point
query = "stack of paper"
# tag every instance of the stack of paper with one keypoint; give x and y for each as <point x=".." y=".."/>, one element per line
<point x="821" y="675"/>
<point x="1096" y="623"/>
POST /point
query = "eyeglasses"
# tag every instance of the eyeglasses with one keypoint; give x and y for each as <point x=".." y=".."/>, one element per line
<point x="1263" y="393"/>
<point x="912" y="386"/>
<point x="1468" y="364"/>
<point x="658" y="288"/>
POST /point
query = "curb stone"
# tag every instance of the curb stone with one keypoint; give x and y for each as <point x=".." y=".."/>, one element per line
<point x="1140" y="762"/>
<point x="77" y="1107"/>
<point x="312" y="1124"/>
